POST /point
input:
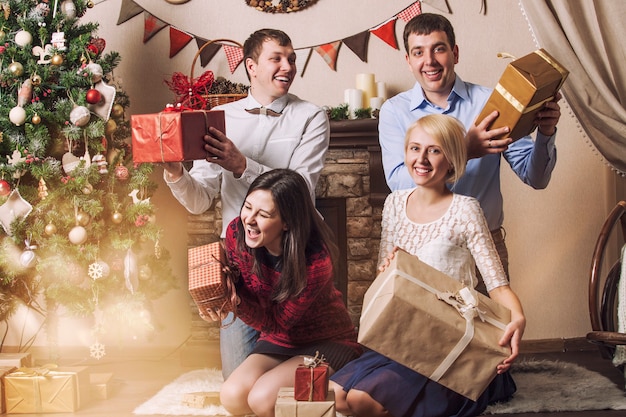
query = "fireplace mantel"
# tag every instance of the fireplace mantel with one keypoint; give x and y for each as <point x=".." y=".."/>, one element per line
<point x="363" y="134"/>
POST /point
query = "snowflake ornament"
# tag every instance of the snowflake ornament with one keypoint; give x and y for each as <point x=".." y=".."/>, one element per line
<point x="97" y="351"/>
<point x="96" y="271"/>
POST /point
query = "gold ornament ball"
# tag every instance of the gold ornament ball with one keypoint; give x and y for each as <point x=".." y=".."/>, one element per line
<point x="83" y="218"/>
<point x="36" y="80"/>
<point x="90" y="4"/>
<point x="16" y="69"/>
<point x="50" y="229"/>
<point x="87" y="189"/>
<point x="36" y="119"/>
<point x="110" y="127"/>
<point x="117" y="111"/>
<point x="56" y="59"/>
<point x="117" y="217"/>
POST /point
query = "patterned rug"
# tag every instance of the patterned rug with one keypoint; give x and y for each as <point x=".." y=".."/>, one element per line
<point x="542" y="386"/>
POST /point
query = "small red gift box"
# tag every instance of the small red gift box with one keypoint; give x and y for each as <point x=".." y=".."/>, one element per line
<point x="311" y="382"/>
<point x="173" y="136"/>
<point x="209" y="285"/>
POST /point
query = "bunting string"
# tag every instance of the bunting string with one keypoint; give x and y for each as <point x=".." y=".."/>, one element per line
<point x="329" y="51"/>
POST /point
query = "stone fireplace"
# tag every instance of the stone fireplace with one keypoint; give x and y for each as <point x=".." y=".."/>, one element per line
<point x="350" y="195"/>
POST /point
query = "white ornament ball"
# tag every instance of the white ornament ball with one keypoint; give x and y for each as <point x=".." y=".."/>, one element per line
<point x="78" y="235"/>
<point x="23" y="38"/>
<point x="17" y="116"/>
<point x="69" y="8"/>
<point x="80" y="116"/>
<point x="28" y="258"/>
<point x="106" y="269"/>
<point x="96" y="72"/>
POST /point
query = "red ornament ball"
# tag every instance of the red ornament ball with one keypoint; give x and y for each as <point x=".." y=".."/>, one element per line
<point x="5" y="188"/>
<point x="93" y="96"/>
<point x="121" y="173"/>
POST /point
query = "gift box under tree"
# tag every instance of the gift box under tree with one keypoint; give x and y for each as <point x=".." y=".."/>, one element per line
<point x="429" y="322"/>
<point x="46" y="390"/>
<point x="525" y="86"/>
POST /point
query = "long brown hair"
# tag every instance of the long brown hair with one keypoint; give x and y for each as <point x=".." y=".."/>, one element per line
<point x="306" y="231"/>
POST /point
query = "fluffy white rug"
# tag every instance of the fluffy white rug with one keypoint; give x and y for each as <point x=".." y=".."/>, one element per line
<point x="542" y="386"/>
<point x="169" y="400"/>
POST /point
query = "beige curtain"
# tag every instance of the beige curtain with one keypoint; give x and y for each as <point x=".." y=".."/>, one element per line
<point x="588" y="37"/>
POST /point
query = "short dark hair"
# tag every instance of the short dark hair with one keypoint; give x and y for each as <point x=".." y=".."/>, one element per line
<point x="253" y="46"/>
<point x="425" y="24"/>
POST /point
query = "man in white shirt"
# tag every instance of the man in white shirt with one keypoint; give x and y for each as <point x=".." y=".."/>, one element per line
<point x="268" y="129"/>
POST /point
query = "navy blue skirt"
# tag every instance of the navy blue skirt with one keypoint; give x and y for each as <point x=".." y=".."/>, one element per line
<point x="406" y="393"/>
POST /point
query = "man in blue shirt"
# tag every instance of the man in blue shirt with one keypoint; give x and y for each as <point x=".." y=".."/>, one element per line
<point x="432" y="53"/>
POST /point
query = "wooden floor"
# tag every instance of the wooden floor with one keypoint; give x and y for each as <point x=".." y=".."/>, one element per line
<point x="138" y="378"/>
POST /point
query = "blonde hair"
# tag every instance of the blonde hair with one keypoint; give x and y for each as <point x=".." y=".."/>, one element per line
<point x="451" y="136"/>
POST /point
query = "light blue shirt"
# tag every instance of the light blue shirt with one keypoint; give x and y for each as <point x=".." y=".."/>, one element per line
<point x="532" y="160"/>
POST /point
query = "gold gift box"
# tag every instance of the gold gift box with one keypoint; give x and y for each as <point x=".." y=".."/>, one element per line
<point x="287" y="406"/>
<point x="405" y="306"/>
<point x="46" y="390"/>
<point x="525" y="86"/>
<point x="201" y="399"/>
<point x="4" y="370"/>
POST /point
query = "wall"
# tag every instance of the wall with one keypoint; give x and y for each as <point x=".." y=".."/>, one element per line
<point x="550" y="232"/>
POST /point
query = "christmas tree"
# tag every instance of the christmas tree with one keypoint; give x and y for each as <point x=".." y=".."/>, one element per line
<point x="80" y="236"/>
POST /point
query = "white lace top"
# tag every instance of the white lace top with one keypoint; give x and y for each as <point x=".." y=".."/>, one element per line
<point x="454" y="244"/>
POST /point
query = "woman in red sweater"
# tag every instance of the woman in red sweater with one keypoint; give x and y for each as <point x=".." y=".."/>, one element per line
<point x="285" y="255"/>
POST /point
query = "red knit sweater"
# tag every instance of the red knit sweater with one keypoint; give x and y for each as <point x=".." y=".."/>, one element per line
<point x="316" y="314"/>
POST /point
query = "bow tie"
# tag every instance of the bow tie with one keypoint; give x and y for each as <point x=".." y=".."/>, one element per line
<point x="264" y="111"/>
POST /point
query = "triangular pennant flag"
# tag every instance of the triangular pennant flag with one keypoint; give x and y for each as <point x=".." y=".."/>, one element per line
<point x="128" y="10"/>
<point x="410" y="12"/>
<point x="151" y="26"/>
<point x="207" y="52"/>
<point x="329" y="53"/>
<point x="234" y="55"/>
<point x="302" y="59"/>
<point x="439" y="5"/>
<point x="178" y="40"/>
<point x="387" y="32"/>
<point x="358" y="44"/>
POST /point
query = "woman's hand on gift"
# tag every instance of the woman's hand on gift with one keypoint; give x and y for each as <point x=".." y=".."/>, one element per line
<point x="212" y="314"/>
<point x="387" y="260"/>
<point x="223" y="152"/>
<point x="513" y="331"/>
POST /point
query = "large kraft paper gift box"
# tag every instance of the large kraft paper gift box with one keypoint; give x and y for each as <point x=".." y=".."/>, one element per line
<point x="173" y="136"/>
<point x="209" y="286"/>
<point x="46" y="390"/>
<point x="287" y="406"/>
<point x="4" y="370"/>
<point x="405" y="318"/>
<point x="525" y="86"/>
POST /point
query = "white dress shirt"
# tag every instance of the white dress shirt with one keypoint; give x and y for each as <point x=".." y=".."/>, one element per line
<point x="297" y="139"/>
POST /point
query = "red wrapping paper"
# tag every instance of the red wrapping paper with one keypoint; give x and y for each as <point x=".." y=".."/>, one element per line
<point x="173" y="136"/>
<point x="207" y="280"/>
<point x="311" y="383"/>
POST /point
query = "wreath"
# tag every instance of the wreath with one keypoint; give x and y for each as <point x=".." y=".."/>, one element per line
<point x="284" y="6"/>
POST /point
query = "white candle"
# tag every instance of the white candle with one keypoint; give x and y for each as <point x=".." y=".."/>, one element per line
<point x="366" y="83"/>
<point x="381" y="90"/>
<point x="354" y="98"/>
<point x="376" y="102"/>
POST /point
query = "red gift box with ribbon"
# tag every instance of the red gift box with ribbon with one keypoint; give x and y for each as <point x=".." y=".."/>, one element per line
<point x="311" y="381"/>
<point x="173" y="135"/>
